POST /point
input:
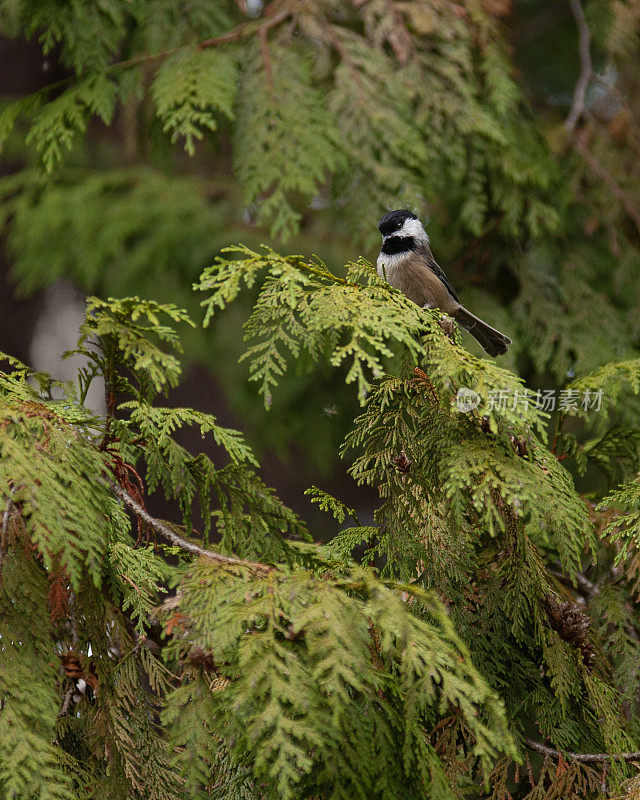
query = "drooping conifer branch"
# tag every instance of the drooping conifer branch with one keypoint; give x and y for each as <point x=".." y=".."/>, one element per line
<point x="245" y="29"/>
<point x="178" y="541"/>
<point x="578" y="109"/>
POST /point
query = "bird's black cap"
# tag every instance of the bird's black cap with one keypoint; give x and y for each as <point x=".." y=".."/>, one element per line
<point x="394" y="220"/>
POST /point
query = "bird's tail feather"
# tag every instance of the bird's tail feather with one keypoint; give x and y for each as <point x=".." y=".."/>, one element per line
<point x="492" y="341"/>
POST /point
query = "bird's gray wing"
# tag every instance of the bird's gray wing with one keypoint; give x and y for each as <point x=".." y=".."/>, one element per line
<point x="433" y="266"/>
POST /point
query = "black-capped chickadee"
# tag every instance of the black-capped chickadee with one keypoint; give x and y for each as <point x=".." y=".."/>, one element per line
<point x="407" y="263"/>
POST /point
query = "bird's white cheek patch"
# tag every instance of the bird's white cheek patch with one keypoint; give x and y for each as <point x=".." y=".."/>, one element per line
<point x="414" y="228"/>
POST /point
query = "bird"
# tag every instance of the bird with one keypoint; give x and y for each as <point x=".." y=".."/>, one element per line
<point x="407" y="263"/>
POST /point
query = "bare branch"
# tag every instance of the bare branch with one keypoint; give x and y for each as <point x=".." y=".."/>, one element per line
<point x="586" y="587"/>
<point x="245" y="29"/>
<point x="67" y="700"/>
<point x="617" y="191"/>
<point x="602" y="758"/>
<point x="6" y="516"/>
<point x="174" y="538"/>
<point x="586" y="66"/>
<point x="4" y="528"/>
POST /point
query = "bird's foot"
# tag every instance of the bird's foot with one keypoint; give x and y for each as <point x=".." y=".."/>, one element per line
<point x="448" y="326"/>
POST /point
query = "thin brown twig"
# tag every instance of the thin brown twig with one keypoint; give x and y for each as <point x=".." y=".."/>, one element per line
<point x="345" y="57"/>
<point x="583" y="757"/>
<point x="617" y="191"/>
<point x="266" y="60"/>
<point x="246" y="28"/>
<point x="586" y="66"/>
<point x="174" y="538"/>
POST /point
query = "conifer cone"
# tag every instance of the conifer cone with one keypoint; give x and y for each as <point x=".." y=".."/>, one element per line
<point x="402" y="462"/>
<point x="571" y="624"/>
<point x="200" y="657"/>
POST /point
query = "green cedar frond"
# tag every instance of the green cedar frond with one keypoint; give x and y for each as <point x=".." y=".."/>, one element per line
<point x="158" y="424"/>
<point x="565" y="343"/>
<point x="188" y="90"/>
<point x="609" y="609"/>
<point x="23" y="384"/>
<point x="369" y="98"/>
<point x="285" y="141"/>
<point x="616" y="452"/>
<point x="328" y="503"/>
<point x="57" y="123"/>
<point x="30" y="760"/>
<point x="249" y="518"/>
<point x="88" y="32"/>
<point x="295" y="687"/>
<point x="625" y="527"/>
<point x="609" y="383"/>
<point x="135" y="733"/>
<point x="136" y="576"/>
<point x="123" y="239"/>
<point x="225" y="278"/>
<point x="541" y="494"/>
<point x="252" y="521"/>
<point x="16" y="110"/>
<point x="343" y="544"/>
<point x="55" y="476"/>
<point x="133" y="325"/>
<point x="303" y="306"/>
<point x="202" y="758"/>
